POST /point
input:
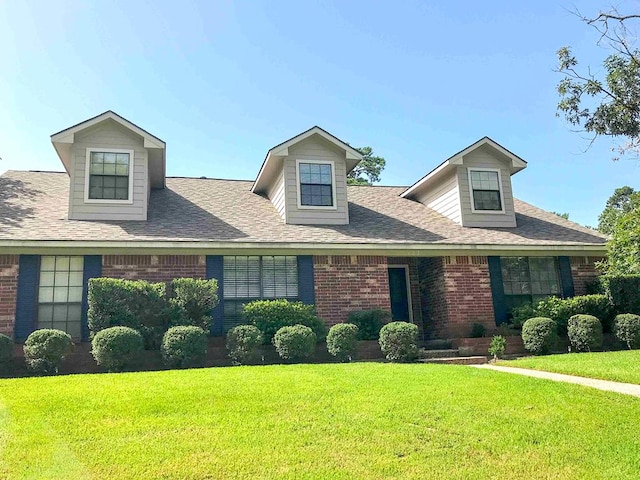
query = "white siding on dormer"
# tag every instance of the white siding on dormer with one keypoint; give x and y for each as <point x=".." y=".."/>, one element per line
<point x="316" y="148"/>
<point x="107" y="135"/>
<point x="444" y="198"/>
<point x="276" y="194"/>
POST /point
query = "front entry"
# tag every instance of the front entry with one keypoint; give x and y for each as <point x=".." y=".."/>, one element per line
<point x="399" y="292"/>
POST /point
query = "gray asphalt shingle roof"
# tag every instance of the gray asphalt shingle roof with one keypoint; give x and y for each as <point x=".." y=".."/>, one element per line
<point x="33" y="206"/>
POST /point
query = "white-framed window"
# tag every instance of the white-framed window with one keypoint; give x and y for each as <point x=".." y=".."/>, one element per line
<point x="109" y="176"/>
<point x="60" y="293"/>
<point x="316" y="184"/>
<point x="485" y="186"/>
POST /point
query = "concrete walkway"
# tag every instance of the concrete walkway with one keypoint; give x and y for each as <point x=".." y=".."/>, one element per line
<point x="626" y="388"/>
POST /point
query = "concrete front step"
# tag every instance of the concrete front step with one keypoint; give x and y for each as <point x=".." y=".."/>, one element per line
<point x="476" y="360"/>
<point x="439" y="353"/>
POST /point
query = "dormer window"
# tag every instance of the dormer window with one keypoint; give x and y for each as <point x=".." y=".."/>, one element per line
<point x="486" y="190"/>
<point x="316" y="184"/>
<point x="108" y="176"/>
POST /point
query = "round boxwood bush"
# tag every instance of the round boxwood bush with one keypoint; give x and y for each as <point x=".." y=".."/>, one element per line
<point x="295" y="342"/>
<point x="539" y="335"/>
<point x="45" y="349"/>
<point x="184" y="346"/>
<point x="243" y="342"/>
<point x="6" y="350"/>
<point x="399" y="341"/>
<point x="627" y="329"/>
<point x="342" y="341"/>
<point x="585" y="332"/>
<point x="117" y="348"/>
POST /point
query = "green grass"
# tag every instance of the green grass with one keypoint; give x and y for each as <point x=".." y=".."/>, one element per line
<point x="623" y="366"/>
<point x="345" y="421"/>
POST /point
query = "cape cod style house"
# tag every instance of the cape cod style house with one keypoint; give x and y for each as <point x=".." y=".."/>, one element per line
<point x="453" y="249"/>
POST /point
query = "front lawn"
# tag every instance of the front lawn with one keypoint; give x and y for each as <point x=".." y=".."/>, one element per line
<point x="347" y="421"/>
<point x="623" y="366"/>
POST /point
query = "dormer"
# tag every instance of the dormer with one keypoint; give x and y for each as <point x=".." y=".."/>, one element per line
<point x="112" y="165"/>
<point x="306" y="178"/>
<point x="473" y="187"/>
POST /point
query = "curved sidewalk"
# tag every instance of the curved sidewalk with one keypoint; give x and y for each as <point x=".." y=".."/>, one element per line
<point x="626" y="388"/>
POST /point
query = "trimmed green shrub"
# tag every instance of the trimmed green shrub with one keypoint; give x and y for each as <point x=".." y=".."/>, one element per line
<point x="539" y="335"/>
<point x="627" y="329"/>
<point x="295" y="342"/>
<point x="45" y="349"/>
<point x="623" y="292"/>
<point x="271" y="315"/>
<point x="497" y="346"/>
<point x="369" y="322"/>
<point x="342" y="341"/>
<point x="521" y="314"/>
<point x="196" y="298"/>
<point x="243" y="342"/>
<point x="399" y="341"/>
<point x="6" y="350"/>
<point x="585" y="333"/>
<point x="477" y="330"/>
<point x="184" y="346"/>
<point x="561" y="310"/>
<point x="117" y="348"/>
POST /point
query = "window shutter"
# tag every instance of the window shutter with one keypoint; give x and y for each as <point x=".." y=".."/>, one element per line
<point x="26" y="304"/>
<point x="215" y="269"/>
<point x="566" y="277"/>
<point x="92" y="269"/>
<point x="497" y="290"/>
<point x="306" y="289"/>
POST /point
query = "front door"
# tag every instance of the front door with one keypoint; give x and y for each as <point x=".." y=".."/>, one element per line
<point x="399" y="292"/>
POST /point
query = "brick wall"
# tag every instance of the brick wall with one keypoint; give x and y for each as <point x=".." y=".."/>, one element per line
<point x="8" y="292"/>
<point x="346" y="283"/>
<point x="584" y="272"/>
<point x="153" y="268"/>
<point x="456" y="293"/>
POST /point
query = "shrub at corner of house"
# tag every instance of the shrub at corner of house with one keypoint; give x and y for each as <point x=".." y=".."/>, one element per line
<point x="399" y="341"/>
<point x="243" y="342"/>
<point x="6" y="350"/>
<point x="497" y="346"/>
<point x="117" y="348"/>
<point x="623" y="290"/>
<point x="45" y="349"/>
<point x="184" y="346"/>
<point x="477" y="330"/>
<point x="585" y="332"/>
<point x="627" y="329"/>
<point x="342" y="341"/>
<point x="369" y="322"/>
<point x="271" y="315"/>
<point x="539" y="335"/>
<point x="196" y="298"/>
<point x="295" y="342"/>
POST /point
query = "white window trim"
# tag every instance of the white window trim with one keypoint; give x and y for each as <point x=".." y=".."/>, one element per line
<point x="333" y="185"/>
<point x="489" y="212"/>
<point x="87" y="174"/>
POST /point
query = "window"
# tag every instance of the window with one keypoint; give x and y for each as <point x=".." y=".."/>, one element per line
<point x="529" y="279"/>
<point x="316" y="184"/>
<point x="254" y="277"/>
<point x="108" y="175"/>
<point x="60" y="294"/>
<point x="485" y="190"/>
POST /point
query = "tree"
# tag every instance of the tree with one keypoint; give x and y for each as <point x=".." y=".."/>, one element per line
<point x="618" y="204"/>
<point x="623" y="249"/>
<point x="368" y="170"/>
<point x="562" y="215"/>
<point x="610" y="105"/>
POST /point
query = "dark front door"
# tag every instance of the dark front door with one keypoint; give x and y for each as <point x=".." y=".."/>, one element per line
<point x="399" y="293"/>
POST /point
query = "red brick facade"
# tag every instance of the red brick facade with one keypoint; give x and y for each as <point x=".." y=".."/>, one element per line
<point x="584" y="272"/>
<point x="154" y="268"/>
<point x="8" y="292"/>
<point x="346" y="283"/>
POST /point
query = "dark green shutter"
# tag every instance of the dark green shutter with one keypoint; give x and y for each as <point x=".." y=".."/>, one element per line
<point x="215" y="269"/>
<point x="306" y="289"/>
<point x="566" y="277"/>
<point x="92" y="269"/>
<point x="497" y="290"/>
<point x="27" y="301"/>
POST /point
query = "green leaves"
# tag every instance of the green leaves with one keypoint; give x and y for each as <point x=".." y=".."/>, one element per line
<point x="368" y="170"/>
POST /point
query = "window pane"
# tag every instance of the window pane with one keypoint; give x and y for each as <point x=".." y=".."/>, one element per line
<point x="486" y="200"/>
<point x="60" y="313"/>
<point x="76" y="264"/>
<point x="47" y="263"/>
<point x="97" y="157"/>
<point x="75" y="294"/>
<point x="62" y="278"/>
<point x="62" y="263"/>
<point x="45" y="295"/>
<point x="46" y="279"/>
<point x="45" y="314"/>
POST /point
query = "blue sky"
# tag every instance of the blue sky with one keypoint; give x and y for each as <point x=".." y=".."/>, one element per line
<point x="222" y="82"/>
